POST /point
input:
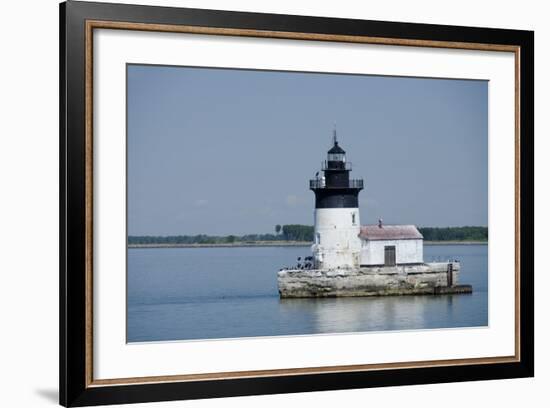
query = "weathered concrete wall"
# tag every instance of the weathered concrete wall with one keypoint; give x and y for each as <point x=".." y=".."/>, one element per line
<point x="406" y="251"/>
<point x="370" y="281"/>
<point x="337" y="242"/>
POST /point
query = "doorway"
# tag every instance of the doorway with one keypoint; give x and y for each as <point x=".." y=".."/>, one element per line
<point x="389" y="255"/>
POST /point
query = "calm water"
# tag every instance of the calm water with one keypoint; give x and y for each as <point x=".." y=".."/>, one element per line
<point x="204" y="293"/>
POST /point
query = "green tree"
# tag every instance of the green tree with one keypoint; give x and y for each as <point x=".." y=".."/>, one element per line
<point x="277" y="229"/>
<point x="296" y="232"/>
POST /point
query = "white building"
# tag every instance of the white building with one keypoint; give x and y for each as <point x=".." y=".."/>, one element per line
<point x="390" y="245"/>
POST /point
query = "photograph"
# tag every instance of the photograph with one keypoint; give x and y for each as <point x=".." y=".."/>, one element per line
<point x="267" y="203"/>
<point x="258" y="202"/>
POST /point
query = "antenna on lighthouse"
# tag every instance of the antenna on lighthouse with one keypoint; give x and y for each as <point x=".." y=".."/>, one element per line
<point x="334" y="138"/>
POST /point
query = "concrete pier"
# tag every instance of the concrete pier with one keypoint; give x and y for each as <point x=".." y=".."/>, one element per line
<point x="418" y="279"/>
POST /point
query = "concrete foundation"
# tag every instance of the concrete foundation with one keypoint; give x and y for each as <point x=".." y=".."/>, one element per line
<point x="417" y="279"/>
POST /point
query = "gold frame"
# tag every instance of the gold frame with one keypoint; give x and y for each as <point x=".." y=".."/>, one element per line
<point x="99" y="24"/>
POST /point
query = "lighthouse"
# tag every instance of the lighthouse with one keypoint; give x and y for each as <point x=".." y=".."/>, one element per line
<point x="337" y="226"/>
<point x="354" y="260"/>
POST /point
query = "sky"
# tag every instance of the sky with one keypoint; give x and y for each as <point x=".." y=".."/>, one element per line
<point x="226" y="151"/>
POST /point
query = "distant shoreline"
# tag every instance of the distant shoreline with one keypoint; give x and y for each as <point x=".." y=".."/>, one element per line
<point x="277" y="244"/>
<point x="451" y="242"/>
<point x="227" y="245"/>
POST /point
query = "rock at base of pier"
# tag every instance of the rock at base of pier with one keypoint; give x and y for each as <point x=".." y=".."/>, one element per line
<point x="417" y="279"/>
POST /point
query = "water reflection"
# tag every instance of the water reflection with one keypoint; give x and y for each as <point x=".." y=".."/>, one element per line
<point x="374" y="313"/>
<point x="353" y="314"/>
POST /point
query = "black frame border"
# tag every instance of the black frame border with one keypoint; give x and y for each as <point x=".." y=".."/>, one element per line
<point x="72" y="125"/>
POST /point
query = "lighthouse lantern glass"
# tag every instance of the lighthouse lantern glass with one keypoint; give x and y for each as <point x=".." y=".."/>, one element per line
<point x="339" y="157"/>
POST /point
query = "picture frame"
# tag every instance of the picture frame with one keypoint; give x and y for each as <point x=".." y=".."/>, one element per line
<point x="79" y="21"/>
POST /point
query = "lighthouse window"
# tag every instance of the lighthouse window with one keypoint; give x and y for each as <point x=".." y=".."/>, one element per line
<point x="317" y="238"/>
<point x="336" y="157"/>
<point x="353" y="218"/>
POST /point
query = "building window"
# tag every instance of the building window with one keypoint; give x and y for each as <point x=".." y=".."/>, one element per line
<point x="317" y="238"/>
<point x="389" y="255"/>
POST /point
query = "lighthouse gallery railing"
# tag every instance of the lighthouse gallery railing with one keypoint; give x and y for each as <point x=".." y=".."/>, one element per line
<point x="320" y="183"/>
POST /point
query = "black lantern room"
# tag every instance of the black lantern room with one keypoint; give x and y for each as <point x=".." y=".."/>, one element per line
<point x="335" y="189"/>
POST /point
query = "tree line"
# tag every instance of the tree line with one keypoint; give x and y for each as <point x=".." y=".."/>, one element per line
<point x="303" y="233"/>
<point x="454" y="233"/>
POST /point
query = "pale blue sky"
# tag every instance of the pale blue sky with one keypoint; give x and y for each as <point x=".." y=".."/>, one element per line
<point x="218" y="151"/>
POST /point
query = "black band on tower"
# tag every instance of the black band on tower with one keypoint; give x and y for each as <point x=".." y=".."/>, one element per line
<point x="346" y="199"/>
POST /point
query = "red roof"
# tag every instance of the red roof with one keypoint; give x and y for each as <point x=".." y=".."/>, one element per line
<point x="377" y="233"/>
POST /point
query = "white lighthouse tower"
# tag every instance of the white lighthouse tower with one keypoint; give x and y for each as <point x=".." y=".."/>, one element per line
<point x="337" y="226"/>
